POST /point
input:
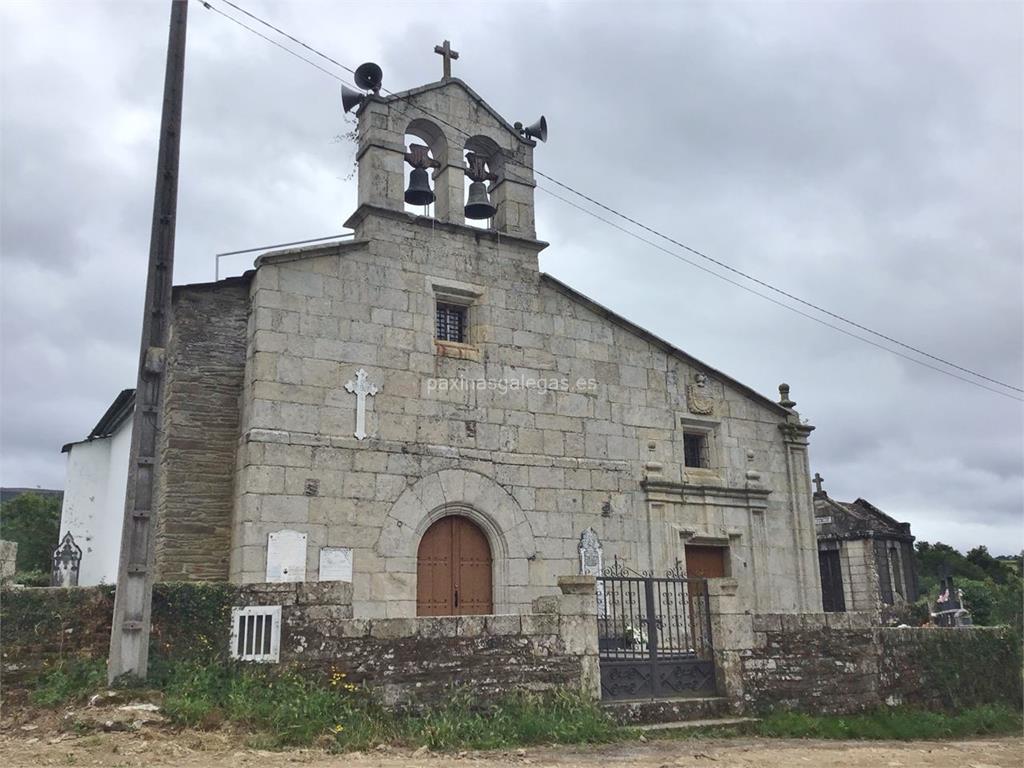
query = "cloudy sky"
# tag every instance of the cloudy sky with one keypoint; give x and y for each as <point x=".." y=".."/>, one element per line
<point x="864" y="156"/>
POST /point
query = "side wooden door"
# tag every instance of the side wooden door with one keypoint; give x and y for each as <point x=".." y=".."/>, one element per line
<point x="705" y="563"/>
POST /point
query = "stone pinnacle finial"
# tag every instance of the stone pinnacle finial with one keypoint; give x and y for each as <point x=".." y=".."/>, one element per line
<point x="448" y="54"/>
<point x="784" y="400"/>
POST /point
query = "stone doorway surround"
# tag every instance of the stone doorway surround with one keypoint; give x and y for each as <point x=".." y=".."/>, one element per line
<point x="474" y="496"/>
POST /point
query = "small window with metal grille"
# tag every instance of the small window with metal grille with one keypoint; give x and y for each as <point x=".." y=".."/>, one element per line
<point x="451" y="323"/>
<point x="256" y="633"/>
<point x="695" y="450"/>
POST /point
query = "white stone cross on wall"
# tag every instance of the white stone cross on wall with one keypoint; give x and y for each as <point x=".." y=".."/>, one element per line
<point x="361" y="388"/>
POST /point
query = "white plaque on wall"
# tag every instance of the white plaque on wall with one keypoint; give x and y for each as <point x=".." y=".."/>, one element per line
<point x="592" y="563"/>
<point x="286" y="556"/>
<point x="336" y="564"/>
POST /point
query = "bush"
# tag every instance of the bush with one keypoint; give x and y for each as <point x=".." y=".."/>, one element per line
<point x="33" y="520"/>
<point x="70" y="681"/>
<point x="31" y="578"/>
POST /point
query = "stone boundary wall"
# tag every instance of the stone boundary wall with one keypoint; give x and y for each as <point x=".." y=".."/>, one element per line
<point x="820" y="663"/>
<point x="843" y="662"/>
<point x="408" y="662"/>
<point x="950" y="668"/>
<point x="424" y="660"/>
<point x="838" y="663"/>
<point x="42" y="626"/>
<point x="420" y="661"/>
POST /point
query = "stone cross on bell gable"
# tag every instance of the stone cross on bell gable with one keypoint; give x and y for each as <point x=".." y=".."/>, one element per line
<point x="818" y="480"/>
<point x="448" y="54"/>
<point x="361" y="388"/>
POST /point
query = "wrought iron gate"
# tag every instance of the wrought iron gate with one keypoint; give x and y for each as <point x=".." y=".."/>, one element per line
<point x="654" y="635"/>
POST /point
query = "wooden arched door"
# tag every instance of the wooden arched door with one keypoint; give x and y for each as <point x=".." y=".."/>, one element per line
<point x="453" y="569"/>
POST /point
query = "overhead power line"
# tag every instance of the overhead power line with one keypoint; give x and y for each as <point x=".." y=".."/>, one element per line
<point x="256" y="32"/>
<point x="296" y="40"/>
<point x="647" y="228"/>
<point x="766" y="297"/>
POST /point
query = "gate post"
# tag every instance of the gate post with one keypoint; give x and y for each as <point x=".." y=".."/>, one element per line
<point x="732" y="633"/>
<point x="577" y="626"/>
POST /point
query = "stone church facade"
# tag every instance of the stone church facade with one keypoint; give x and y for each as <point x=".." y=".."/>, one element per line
<point x="421" y="411"/>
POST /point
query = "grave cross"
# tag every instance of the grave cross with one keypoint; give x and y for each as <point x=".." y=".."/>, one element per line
<point x="448" y="54"/>
<point x="361" y="388"/>
<point x="818" y="480"/>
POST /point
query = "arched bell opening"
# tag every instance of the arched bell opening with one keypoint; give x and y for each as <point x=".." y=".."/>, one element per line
<point x="426" y="152"/>
<point x="482" y="158"/>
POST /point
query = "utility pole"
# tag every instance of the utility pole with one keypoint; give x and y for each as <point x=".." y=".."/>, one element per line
<point x="129" y="630"/>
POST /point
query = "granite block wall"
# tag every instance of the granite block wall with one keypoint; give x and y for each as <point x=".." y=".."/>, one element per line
<point x="564" y="458"/>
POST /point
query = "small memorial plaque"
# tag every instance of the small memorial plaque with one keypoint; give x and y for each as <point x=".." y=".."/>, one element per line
<point x="592" y="563"/>
<point x="286" y="556"/>
<point x="336" y="564"/>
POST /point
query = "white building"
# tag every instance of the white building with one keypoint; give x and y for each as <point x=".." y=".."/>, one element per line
<point x="94" y="489"/>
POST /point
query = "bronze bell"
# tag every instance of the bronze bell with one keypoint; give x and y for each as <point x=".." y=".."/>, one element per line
<point x="419" y="191"/>
<point x="478" y="204"/>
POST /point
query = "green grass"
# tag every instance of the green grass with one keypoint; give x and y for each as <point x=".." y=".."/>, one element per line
<point x="286" y="709"/>
<point x="515" y="720"/>
<point x="70" y="681"/>
<point x="280" y="708"/>
<point x="898" y="724"/>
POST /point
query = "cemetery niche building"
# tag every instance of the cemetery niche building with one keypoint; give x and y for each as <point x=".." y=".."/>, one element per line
<point x="866" y="557"/>
<point x="418" y="410"/>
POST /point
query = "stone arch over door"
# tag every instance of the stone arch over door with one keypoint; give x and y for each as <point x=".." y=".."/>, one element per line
<point x="467" y="494"/>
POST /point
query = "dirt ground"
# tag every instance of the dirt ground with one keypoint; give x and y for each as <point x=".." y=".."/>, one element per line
<point x="152" y="747"/>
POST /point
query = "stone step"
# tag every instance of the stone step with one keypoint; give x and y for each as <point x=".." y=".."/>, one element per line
<point x="715" y="722"/>
<point x="649" y="711"/>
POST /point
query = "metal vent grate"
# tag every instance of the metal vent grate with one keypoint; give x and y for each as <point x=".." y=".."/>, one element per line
<point x="256" y="633"/>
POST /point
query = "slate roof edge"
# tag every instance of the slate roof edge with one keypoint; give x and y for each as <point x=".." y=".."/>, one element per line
<point x="119" y="411"/>
<point x="245" y="277"/>
<point x="862" y="507"/>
